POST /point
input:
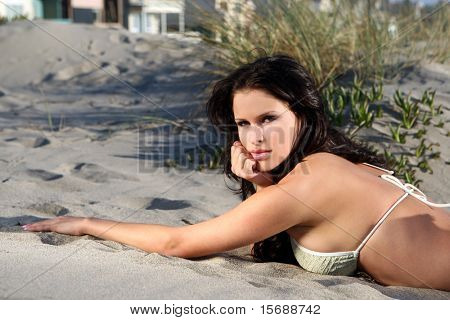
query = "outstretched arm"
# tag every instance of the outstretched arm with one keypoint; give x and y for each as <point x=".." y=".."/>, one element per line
<point x="266" y="213"/>
<point x="270" y="211"/>
<point x="147" y="237"/>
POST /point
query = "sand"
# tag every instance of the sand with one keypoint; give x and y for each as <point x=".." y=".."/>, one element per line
<point x="100" y="161"/>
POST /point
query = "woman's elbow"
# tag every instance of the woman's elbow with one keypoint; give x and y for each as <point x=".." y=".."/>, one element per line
<point x="174" y="246"/>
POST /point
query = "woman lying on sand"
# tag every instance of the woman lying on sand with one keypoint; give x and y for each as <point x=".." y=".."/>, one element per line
<point x="312" y="197"/>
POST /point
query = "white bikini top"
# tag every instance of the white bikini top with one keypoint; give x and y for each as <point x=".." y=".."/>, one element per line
<point x="345" y="263"/>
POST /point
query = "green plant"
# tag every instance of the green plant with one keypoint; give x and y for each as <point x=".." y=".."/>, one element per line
<point x="359" y="101"/>
<point x="356" y="97"/>
<point x="49" y="115"/>
<point x="425" y="166"/>
<point x="397" y="135"/>
<point x="376" y="92"/>
<point x="428" y="98"/>
<point x="361" y="116"/>
<point x="426" y="119"/>
<point x="419" y="134"/>
<point x="335" y="100"/>
<point x="440" y="124"/>
<point x="402" y="168"/>
<point x="410" y="109"/>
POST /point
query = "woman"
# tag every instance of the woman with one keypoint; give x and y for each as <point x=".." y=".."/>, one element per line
<point x="312" y="197"/>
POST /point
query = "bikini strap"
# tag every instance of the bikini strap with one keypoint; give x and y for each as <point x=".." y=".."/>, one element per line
<point x="371" y="165"/>
<point x="380" y="222"/>
<point x="409" y="190"/>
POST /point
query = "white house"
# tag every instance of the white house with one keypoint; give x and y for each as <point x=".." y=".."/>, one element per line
<point x="156" y="16"/>
<point x="12" y="8"/>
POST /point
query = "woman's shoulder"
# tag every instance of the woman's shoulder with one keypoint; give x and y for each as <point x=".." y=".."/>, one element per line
<point x="323" y="156"/>
<point x="317" y="166"/>
<point x="316" y="182"/>
<point x="317" y="170"/>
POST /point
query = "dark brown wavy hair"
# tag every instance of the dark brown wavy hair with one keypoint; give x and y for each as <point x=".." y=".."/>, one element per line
<point x="287" y="80"/>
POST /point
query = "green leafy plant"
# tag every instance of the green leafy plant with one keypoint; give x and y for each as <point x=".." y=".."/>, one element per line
<point x="397" y="135"/>
<point x="410" y="109"/>
<point x="419" y="134"/>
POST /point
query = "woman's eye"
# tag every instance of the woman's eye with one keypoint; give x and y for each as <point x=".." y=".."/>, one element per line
<point x="270" y="118"/>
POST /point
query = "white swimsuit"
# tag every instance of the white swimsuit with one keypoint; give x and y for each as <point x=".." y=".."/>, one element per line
<point x="345" y="263"/>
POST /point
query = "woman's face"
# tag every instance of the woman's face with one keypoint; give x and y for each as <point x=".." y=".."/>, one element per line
<point x="267" y="127"/>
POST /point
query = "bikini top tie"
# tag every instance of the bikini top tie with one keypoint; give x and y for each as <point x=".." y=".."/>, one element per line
<point x="411" y="189"/>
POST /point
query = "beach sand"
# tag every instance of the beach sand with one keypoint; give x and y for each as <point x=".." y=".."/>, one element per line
<point x="99" y="161"/>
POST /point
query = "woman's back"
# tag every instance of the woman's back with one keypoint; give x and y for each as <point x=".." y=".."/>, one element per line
<point x="409" y="248"/>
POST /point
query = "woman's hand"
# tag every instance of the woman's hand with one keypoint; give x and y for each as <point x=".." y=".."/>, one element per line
<point x="243" y="165"/>
<point x="67" y="225"/>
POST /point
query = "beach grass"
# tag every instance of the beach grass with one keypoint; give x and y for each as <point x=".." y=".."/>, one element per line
<point x="351" y="36"/>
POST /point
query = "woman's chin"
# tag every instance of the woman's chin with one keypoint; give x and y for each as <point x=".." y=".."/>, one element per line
<point x="264" y="167"/>
<point x="268" y="165"/>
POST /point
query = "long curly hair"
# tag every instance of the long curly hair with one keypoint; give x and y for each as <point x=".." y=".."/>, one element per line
<point x="287" y="80"/>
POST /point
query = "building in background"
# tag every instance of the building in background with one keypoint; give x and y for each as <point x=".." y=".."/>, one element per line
<point x="34" y="9"/>
<point x="166" y="16"/>
<point x="86" y="11"/>
<point x="156" y="16"/>
<point x="79" y="11"/>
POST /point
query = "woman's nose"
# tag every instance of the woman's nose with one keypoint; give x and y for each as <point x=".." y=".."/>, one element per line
<point x="256" y="134"/>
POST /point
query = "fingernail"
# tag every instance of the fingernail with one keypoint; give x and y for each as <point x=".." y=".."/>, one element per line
<point x="24" y="227"/>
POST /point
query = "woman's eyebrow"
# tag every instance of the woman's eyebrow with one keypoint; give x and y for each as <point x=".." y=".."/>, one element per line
<point x="260" y="116"/>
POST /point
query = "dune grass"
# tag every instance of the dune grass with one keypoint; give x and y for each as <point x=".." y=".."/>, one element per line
<point x="351" y="36"/>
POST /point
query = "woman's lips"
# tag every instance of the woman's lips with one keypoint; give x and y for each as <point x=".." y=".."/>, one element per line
<point x="261" y="155"/>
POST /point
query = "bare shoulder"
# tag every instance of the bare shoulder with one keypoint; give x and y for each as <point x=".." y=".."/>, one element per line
<point x="317" y="181"/>
<point x="317" y="168"/>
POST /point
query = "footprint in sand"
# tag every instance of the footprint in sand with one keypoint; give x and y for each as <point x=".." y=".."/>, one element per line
<point x="51" y="209"/>
<point x="29" y="142"/>
<point x="74" y="71"/>
<point x="42" y="174"/>
<point x="33" y="142"/>
<point x="56" y="239"/>
<point x="131" y="202"/>
<point x="95" y="173"/>
<point x="119" y="38"/>
<point x="166" y="204"/>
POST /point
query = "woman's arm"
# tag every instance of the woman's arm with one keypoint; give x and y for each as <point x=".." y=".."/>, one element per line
<point x="147" y="237"/>
<point x="270" y="211"/>
<point x="274" y="209"/>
